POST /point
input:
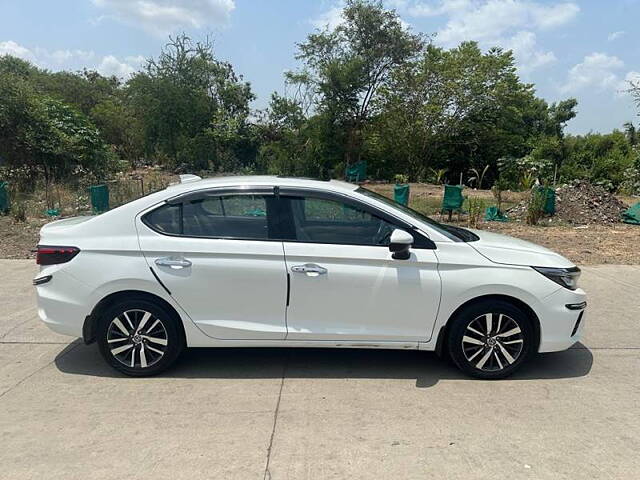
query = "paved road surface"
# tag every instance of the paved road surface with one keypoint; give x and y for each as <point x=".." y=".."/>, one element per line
<point x="295" y="414"/>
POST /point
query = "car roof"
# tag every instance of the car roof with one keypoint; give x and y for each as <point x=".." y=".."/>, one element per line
<point x="260" y="180"/>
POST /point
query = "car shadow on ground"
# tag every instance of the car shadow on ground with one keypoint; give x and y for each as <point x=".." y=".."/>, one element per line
<point x="242" y="363"/>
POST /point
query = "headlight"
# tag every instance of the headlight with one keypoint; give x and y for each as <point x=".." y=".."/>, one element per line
<point x="567" y="277"/>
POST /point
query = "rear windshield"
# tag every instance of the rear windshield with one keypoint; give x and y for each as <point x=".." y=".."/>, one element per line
<point x="456" y="234"/>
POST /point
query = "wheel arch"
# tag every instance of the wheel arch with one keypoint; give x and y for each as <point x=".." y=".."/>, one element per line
<point x="91" y="321"/>
<point x="444" y="330"/>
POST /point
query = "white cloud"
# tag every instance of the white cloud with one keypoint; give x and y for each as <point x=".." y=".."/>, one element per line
<point x="43" y="57"/>
<point x="12" y="48"/>
<point x="632" y="78"/>
<point x="162" y="17"/>
<point x="525" y="48"/>
<point x="483" y="20"/>
<point x="62" y="57"/>
<point x="597" y="70"/>
<point x="73" y="59"/>
<point x="111" y="66"/>
<point x="444" y="7"/>
<point x="615" y="35"/>
<point x="329" y="19"/>
<point x="510" y="24"/>
<point x="333" y="17"/>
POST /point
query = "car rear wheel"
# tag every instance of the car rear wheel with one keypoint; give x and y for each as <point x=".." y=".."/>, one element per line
<point x="139" y="337"/>
<point x="491" y="339"/>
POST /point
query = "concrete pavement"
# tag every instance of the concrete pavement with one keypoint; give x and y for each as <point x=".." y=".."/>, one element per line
<point x="291" y="414"/>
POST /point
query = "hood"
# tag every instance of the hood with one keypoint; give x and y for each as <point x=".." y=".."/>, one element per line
<point x="513" y="251"/>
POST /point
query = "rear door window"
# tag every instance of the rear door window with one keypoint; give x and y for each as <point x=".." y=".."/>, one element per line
<point x="238" y="216"/>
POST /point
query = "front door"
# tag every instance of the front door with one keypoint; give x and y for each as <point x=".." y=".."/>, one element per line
<point x="214" y="254"/>
<point x="344" y="284"/>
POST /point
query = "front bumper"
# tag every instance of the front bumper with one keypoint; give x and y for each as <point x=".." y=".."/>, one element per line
<point x="562" y="318"/>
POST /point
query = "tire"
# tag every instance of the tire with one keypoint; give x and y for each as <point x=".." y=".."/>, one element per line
<point x="137" y="351"/>
<point x="508" y="345"/>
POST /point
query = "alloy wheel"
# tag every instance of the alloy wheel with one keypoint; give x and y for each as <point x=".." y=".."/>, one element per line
<point x="137" y="338"/>
<point x="492" y="342"/>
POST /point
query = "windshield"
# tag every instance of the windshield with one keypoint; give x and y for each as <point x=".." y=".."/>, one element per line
<point x="456" y="234"/>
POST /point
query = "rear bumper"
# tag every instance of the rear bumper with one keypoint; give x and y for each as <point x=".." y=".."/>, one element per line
<point x="562" y="320"/>
<point x="59" y="304"/>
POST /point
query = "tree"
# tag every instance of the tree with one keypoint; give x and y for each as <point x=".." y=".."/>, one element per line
<point x="630" y="132"/>
<point x="193" y="107"/>
<point x="121" y="128"/>
<point x="45" y="136"/>
<point x="83" y="90"/>
<point x="347" y="66"/>
<point x="559" y="114"/>
<point x="456" y="109"/>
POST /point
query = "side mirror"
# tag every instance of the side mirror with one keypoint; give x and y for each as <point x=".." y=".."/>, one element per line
<point x="400" y="244"/>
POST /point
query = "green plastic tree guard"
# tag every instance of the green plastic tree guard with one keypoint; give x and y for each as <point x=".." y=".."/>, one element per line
<point x="356" y="172"/>
<point x="401" y="193"/>
<point x="452" y="200"/>
<point x="549" y="200"/>
<point x="4" y="198"/>
<point x="99" y="198"/>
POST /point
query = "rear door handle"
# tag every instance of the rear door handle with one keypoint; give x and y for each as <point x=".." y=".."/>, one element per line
<point x="173" y="262"/>
<point x="311" y="269"/>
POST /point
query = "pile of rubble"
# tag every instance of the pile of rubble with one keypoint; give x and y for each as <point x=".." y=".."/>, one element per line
<point x="583" y="202"/>
<point x="580" y="203"/>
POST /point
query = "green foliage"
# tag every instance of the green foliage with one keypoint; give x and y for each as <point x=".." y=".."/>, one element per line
<point x="401" y="178"/>
<point x="479" y="176"/>
<point x="346" y="67"/>
<point x="193" y="108"/>
<point x="535" y="206"/>
<point x="457" y="109"/>
<point x="499" y="186"/>
<point x="438" y="175"/>
<point x="522" y="173"/>
<point x="41" y="134"/>
<point x="476" y="207"/>
<point x="120" y="128"/>
<point x="367" y="90"/>
<point x="603" y="159"/>
<point x="19" y="211"/>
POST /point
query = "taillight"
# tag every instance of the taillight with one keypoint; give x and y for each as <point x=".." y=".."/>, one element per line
<point x="53" y="255"/>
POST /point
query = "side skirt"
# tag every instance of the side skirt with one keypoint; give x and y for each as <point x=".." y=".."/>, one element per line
<point x="312" y="344"/>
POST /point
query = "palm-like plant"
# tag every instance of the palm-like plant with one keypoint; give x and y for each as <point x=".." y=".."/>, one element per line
<point x="479" y="176"/>
<point x="438" y="175"/>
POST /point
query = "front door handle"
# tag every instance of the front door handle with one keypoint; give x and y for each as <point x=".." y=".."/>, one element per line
<point x="173" y="262"/>
<point x="311" y="269"/>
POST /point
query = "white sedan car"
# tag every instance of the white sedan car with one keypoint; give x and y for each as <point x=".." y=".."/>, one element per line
<point x="285" y="262"/>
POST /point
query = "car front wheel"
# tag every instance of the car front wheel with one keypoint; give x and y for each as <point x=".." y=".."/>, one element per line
<point x="139" y="337"/>
<point x="491" y="339"/>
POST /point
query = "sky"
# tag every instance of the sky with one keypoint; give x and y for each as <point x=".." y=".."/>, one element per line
<point x="581" y="49"/>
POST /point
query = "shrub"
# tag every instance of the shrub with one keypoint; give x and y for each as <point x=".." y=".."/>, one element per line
<point x="19" y="211"/>
<point x="401" y="178"/>
<point x="535" y="206"/>
<point x="476" y="208"/>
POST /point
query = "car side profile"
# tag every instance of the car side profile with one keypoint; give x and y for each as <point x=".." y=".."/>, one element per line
<point x="286" y="262"/>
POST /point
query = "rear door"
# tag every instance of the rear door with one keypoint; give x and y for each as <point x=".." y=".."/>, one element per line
<point x="213" y="251"/>
<point x="345" y="286"/>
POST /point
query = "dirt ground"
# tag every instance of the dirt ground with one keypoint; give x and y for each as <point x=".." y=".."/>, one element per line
<point x="17" y="239"/>
<point x="585" y="245"/>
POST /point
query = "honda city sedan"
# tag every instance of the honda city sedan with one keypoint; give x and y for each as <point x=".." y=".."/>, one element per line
<point x="286" y="262"/>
